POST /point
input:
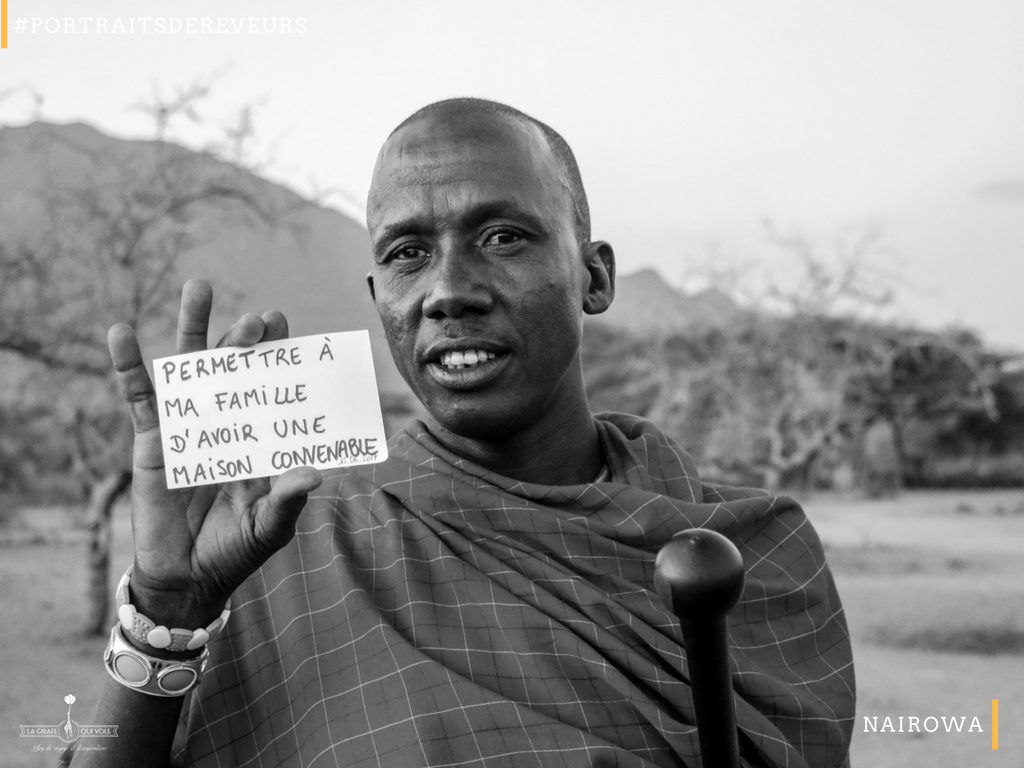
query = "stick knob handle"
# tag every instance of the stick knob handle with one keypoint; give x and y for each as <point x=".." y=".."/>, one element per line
<point x="699" y="575"/>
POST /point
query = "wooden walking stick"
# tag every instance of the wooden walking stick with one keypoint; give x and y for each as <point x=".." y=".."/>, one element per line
<point x="699" y="575"/>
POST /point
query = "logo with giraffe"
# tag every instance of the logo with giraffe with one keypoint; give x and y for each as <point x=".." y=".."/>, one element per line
<point x="68" y="730"/>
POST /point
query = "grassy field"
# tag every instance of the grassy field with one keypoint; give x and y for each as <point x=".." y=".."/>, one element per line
<point x="933" y="585"/>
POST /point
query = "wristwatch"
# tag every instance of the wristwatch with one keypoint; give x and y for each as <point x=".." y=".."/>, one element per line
<point x="147" y="674"/>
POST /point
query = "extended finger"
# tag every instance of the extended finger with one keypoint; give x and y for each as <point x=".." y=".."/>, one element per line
<point x="277" y="512"/>
<point x="246" y="331"/>
<point x="193" y="317"/>
<point x="276" y="326"/>
<point x="132" y="377"/>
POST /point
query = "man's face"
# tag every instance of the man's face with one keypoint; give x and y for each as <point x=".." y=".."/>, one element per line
<point x="478" y="277"/>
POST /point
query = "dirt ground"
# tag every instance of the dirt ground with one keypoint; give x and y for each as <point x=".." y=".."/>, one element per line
<point x="933" y="585"/>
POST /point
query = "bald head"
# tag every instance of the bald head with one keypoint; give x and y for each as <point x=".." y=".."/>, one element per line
<point x="454" y="111"/>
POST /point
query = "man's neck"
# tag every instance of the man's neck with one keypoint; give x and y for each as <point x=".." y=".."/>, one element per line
<point x="566" y="452"/>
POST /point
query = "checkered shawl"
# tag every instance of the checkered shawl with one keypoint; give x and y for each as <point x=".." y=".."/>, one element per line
<point x="432" y="613"/>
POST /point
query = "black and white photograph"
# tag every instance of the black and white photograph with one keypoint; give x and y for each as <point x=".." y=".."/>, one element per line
<point x="568" y="384"/>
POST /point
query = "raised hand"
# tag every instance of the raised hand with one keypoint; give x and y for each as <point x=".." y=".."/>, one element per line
<point x="194" y="546"/>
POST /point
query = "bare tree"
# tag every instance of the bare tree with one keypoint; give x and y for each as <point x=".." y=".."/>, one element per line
<point x="776" y="393"/>
<point x="100" y="245"/>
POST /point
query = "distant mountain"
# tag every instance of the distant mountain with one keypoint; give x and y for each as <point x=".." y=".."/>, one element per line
<point x="644" y="302"/>
<point x="312" y="265"/>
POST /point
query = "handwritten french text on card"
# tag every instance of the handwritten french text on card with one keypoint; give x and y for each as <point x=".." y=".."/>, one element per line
<point x="235" y="413"/>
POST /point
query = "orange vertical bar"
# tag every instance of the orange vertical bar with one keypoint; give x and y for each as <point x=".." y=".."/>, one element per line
<point x="3" y="23"/>
<point x="995" y="723"/>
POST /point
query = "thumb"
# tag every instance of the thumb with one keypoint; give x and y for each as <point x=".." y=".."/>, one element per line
<point x="278" y="511"/>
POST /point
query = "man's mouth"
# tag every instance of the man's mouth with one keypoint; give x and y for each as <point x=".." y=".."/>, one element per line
<point x="469" y="368"/>
<point x="457" y="359"/>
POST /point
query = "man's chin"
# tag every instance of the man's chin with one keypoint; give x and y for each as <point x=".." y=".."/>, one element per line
<point x="484" y="420"/>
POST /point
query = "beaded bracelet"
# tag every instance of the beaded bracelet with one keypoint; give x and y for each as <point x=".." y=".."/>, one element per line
<point x="156" y="677"/>
<point x="158" y="636"/>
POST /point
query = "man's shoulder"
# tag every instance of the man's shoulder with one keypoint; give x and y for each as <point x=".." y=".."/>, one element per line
<point x="359" y="483"/>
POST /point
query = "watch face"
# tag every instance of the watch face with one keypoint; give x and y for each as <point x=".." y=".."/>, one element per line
<point x="132" y="669"/>
<point x="177" y="680"/>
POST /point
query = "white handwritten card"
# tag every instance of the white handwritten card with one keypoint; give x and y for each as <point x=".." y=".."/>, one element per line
<point x="235" y="413"/>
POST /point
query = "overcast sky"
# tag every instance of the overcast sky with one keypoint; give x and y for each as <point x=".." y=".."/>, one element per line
<point x="692" y="122"/>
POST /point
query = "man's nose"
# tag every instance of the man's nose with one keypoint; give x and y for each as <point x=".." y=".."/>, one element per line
<point x="459" y="283"/>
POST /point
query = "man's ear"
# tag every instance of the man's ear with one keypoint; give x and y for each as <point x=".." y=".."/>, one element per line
<point x="369" y="282"/>
<point x="599" y="261"/>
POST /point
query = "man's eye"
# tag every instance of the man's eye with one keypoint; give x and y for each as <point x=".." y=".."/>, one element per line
<point x="409" y="252"/>
<point x="504" y="237"/>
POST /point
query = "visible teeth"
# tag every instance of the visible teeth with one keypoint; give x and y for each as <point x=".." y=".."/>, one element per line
<point x="463" y="359"/>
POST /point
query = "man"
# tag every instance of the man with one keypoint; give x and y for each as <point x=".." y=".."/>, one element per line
<point x="485" y="596"/>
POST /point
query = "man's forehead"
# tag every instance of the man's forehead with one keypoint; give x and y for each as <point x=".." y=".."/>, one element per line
<point x="461" y="138"/>
<point x="455" y="168"/>
<point x="462" y="149"/>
